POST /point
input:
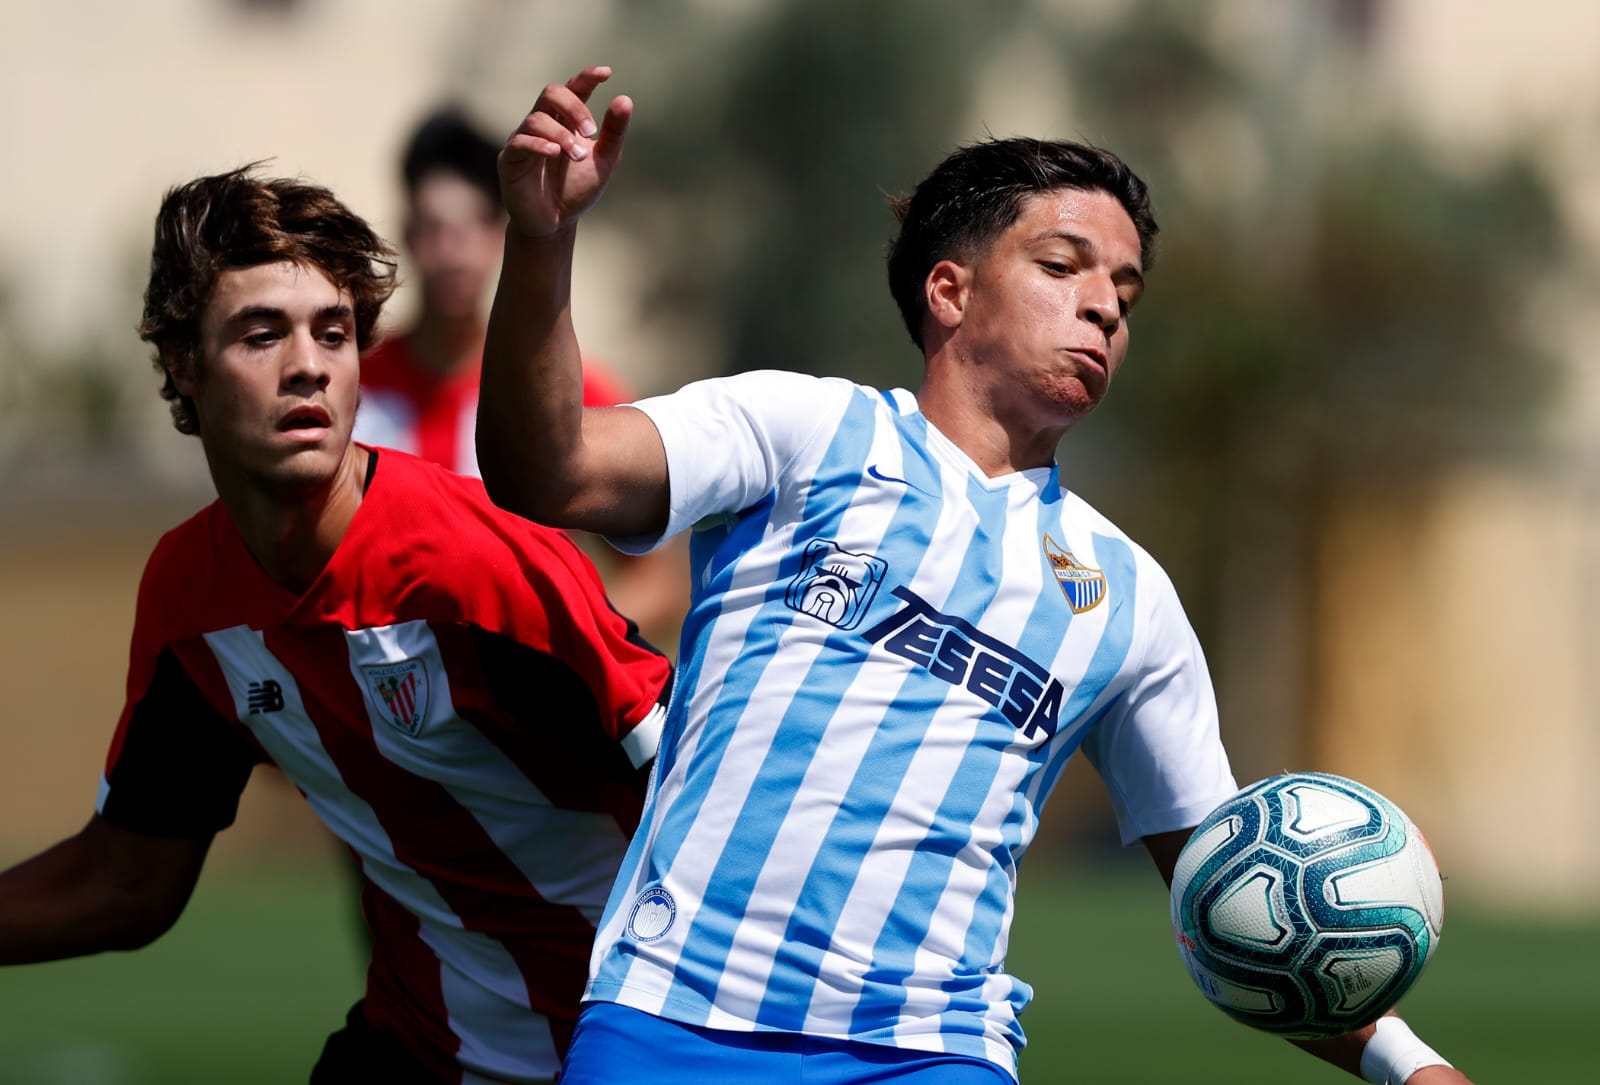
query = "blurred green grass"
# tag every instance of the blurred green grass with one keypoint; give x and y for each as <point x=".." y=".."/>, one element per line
<point x="1506" y="1000"/>
<point x="244" y="989"/>
<point x="261" y="968"/>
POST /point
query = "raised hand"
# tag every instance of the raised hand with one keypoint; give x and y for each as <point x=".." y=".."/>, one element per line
<point x="557" y="162"/>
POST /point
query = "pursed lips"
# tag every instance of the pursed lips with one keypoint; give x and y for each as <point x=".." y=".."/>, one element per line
<point x="1088" y="356"/>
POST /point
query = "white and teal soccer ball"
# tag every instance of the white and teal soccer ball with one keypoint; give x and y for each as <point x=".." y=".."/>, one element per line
<point x="1306" y="905"/>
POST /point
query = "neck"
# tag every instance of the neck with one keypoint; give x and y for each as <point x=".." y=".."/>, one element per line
<point x="447" y="345"/>
<point x="293" y="534"/>
<point x="996" y="438"/>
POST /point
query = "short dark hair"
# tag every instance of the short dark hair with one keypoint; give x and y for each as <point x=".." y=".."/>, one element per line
<point x="236" y="220"/>
<point x="975" y="194"/>
<point x="447" y="141"/>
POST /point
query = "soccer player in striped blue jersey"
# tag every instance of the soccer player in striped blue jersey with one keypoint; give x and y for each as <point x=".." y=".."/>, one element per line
<point x="902" y="627"/>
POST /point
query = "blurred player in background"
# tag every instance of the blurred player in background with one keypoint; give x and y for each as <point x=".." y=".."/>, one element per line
<point x="445" y="682"/>
<point x="903" y="625"/>
<point x="420" y="386"/>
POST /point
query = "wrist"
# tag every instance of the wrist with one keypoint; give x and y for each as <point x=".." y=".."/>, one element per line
<point x="1394" y="1053"/>
<point x="562" y="235"/>
<point x="536" y="272"/>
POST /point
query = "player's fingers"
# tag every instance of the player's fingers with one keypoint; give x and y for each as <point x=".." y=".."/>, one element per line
<point x="542" y="125"/>
<point x="561" y="103"/>
<point x="613" y="127"/>
<point x="584" y="82"/>
<point x="522" y="148"/>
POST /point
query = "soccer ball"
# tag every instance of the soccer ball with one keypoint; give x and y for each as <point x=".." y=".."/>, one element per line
<point x="1306" y="905"/>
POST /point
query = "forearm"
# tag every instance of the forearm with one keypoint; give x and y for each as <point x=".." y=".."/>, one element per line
<point x="51" y="907"/>
<point x="530" y="409"/>
<point x="1347" y="1051"/>
<point x="101" y="889"/>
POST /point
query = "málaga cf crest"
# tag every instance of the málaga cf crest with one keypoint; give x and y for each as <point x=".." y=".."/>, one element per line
<point x="1084" y="587"/>
<point x="400" y="690"/>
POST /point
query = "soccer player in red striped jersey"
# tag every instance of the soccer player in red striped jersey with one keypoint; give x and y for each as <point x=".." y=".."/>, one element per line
<point x="445" y="682"/>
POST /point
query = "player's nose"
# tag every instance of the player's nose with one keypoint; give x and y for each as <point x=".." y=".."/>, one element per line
<point x="303" y="361"/>
<point x="1099" y="305"/>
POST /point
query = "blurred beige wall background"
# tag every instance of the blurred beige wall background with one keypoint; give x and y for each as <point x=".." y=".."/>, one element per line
<point x="1434" y="637"/>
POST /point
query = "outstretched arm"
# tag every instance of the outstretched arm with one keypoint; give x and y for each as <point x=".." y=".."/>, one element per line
<point x="1344" y="1051"/>
<point x="542" y="455"/>
<point x="105" y="888"/>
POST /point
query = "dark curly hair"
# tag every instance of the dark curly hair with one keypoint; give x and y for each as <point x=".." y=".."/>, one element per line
<point x="975" y="194"/>
<point x="237" y="220"/>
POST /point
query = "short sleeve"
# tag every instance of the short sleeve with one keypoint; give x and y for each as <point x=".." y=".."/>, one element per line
<point x="1158" y="747"/>
<point x="176" y="767"/>
<point x="729" y="439"/>
<point x="564" y="613"/>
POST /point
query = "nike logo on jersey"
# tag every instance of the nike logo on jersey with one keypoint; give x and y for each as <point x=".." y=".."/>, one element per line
<point x="872" y="469"/>
<point x="954" y="651"/>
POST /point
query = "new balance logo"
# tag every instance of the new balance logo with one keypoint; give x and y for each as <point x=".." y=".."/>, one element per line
<point x="264" y="696"/>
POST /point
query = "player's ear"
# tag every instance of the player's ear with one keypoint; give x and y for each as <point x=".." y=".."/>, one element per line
<point x="182" y="371"/>
<point x="946" y="289"/>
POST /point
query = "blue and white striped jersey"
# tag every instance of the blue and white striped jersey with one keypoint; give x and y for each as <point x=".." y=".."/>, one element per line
<point x="887" y="663"/>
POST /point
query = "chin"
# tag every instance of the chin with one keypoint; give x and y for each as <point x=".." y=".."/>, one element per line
<point x="1073" y="399"/>
<point x="305" y="471"/>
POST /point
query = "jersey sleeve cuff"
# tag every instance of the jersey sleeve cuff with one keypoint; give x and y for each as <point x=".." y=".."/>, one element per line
<point x="642" y="741"/>
<point x="1133" y="828"/>
<point x="635" y="545"/>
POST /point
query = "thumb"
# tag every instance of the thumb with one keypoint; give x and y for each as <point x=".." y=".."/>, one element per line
<point x="613" y="129"/>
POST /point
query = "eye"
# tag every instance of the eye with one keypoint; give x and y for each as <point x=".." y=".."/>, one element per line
<point x="1056" y="267"/>
<point x="335" y="337"/>
<point x="260" y="339"/>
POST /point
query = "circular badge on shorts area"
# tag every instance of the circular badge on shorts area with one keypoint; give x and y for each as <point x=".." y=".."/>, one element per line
<point x="652" y="914"/>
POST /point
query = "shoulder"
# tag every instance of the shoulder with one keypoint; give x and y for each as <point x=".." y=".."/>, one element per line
<point x="1084" y="519"/>
<point x="761" y="400"/>
<point x="1154" y="586"/>
<point x="1088" y="518"/>
<point x="435" y="535"/>
<point x="775" y="384"/>
<point x="189" y="581"/>
<point x="412" y="497"/>
<point x="186" y="548"/>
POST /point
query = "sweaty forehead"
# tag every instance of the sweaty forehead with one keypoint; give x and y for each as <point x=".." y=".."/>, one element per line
<point x="1092" y="214"/>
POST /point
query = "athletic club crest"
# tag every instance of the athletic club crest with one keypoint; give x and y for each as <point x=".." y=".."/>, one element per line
<point x="1084" y="587"/>
<point x="399" y="692"/>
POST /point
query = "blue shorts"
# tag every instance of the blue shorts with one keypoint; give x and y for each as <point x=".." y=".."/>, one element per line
<point x="615" y="1045"/>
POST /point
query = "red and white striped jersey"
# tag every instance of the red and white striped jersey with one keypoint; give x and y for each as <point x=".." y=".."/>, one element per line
<point x="460" y="705"/>
<point x="404" y="406"/>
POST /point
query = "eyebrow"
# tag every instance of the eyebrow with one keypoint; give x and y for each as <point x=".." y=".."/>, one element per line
<point x="268" y="312"/>
<point x="1127" y="273"/>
